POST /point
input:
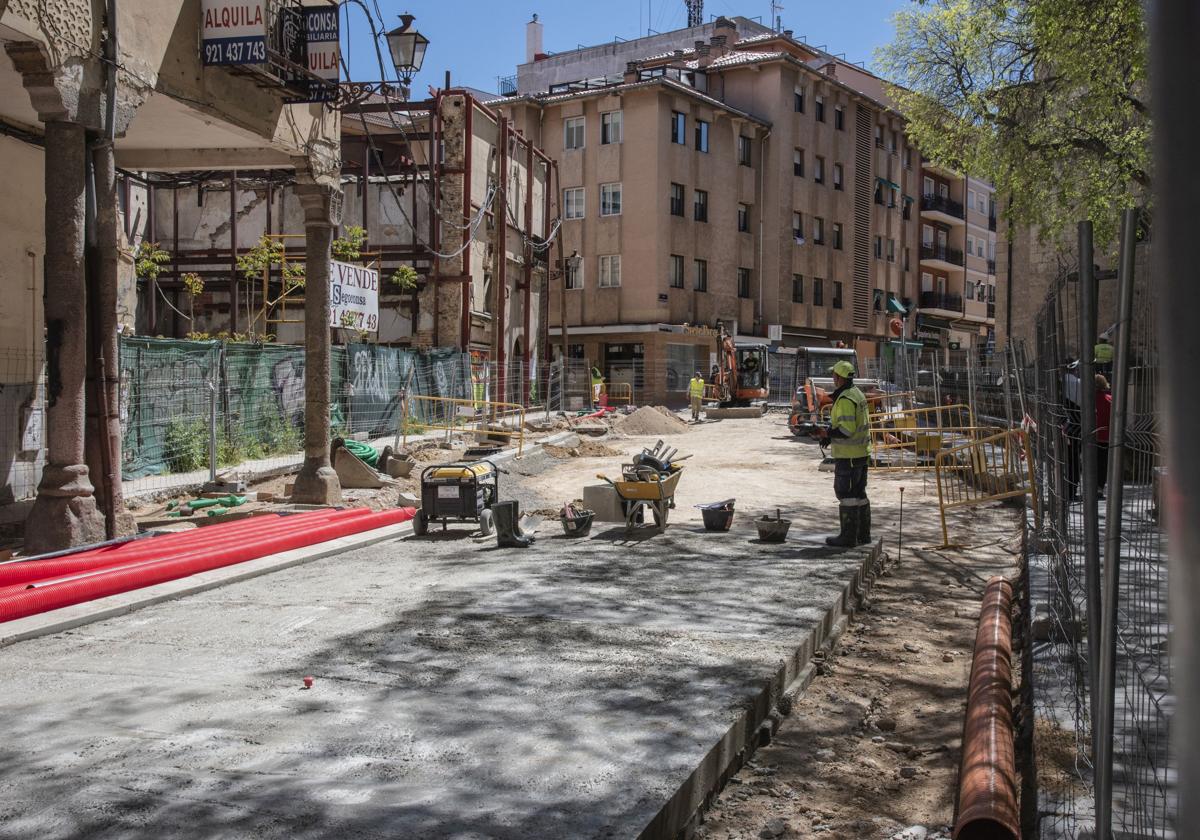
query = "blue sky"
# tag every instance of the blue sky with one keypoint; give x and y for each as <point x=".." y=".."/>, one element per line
<point x="478" y="40"/>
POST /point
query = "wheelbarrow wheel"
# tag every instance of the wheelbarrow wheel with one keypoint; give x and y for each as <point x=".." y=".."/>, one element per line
<point x="487" y="523"/>
<point x="420" y="526"/>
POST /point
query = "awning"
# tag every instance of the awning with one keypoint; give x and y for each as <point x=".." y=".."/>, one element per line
<point x="888" y="183"/>
<point x="895" y="306"/>
<point x="903" y="343"/>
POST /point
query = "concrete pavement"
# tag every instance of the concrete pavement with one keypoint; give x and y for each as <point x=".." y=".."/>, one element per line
<point x="569" y="690"/>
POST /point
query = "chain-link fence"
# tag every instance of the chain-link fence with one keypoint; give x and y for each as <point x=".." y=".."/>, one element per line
<point x="1098" y="572"/>
<point x="22" y="425"/>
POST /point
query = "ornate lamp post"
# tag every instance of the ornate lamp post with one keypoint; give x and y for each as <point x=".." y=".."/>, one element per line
<point x="407" y="47"/>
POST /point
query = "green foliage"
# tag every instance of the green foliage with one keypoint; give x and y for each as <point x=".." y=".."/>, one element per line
<point x="1044" y="98"/>
<point x="404" y="277"/>
<point x="194" y="284"/>
<point x="185" y="445"/>
<point x="267" y="253"/>
<point x="349" y="247"/>
<point x="148" y="260"/>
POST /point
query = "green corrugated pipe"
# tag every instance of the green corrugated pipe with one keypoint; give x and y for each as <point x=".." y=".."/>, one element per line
<point x="222" y="501"/>
<point x="364" y="452"/>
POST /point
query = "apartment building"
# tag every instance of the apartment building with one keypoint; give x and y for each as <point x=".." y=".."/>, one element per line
<point x="723" y="172"/>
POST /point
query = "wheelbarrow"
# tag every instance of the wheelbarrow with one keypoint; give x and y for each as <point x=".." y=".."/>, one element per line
<point x="643" y="489"/>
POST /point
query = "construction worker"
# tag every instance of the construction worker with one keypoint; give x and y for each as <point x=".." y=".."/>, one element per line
<point x="1102" y="356"/>
<point x="597" y="386"/>
<point x="696" y="393"/>
<point x="849" y="436"/>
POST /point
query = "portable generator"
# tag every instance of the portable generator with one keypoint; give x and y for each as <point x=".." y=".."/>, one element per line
<point x="460" y="492"/>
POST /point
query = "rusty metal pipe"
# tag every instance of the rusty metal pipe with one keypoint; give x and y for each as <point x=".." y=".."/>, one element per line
<point x="987" y="779"/>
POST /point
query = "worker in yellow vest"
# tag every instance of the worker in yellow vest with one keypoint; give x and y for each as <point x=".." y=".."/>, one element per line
<point x="849" y="438"/>
<point x="696" y="394"/>
<point x="1102" y="356"/>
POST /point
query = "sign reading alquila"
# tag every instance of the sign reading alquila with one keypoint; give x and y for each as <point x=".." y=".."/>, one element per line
<point x="234" y="31"/>
<point x="353" y="296"/>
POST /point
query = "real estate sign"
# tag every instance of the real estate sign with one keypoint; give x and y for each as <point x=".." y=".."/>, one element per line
<point x="233" y="31"/>
<point x="353" y="296"/>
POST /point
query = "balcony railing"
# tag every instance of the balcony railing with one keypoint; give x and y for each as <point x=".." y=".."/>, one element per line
<point x="939" y="300"/>
<point x="506" y="85"/>
<point x="943" y="253"/>
<point x="942" y="204"/>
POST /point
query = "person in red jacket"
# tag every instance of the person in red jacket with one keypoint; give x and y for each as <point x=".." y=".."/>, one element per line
<point x="1103" y="412"/>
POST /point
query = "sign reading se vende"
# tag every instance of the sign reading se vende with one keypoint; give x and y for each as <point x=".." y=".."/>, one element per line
<point x="233" y="31"/>
<point x="353" y="296"/>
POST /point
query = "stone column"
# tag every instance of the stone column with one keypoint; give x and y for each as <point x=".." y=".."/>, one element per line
<point x="104" y="430"/>
<point x="64" y="513"/>
<point x="317" y="483"/>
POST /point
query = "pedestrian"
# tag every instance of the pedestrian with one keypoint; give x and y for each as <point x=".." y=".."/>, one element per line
<point x="696" y="393"/>
<point x="1103" y="414"/>
<point x="849" y="435"/>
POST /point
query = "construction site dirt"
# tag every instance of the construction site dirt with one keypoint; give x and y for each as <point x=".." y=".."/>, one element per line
<point x="600" y="687"/>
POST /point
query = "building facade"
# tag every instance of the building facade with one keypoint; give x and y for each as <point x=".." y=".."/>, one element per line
<point x="738" y="174"/>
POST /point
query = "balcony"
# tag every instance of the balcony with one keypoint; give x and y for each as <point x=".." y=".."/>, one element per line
<point x="942" y="301"/>
<point x="942" y="256"/>
<point x="943" y="209"/>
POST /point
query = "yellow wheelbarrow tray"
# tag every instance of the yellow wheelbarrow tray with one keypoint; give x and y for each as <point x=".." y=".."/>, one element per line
<point x="652" y="491"/>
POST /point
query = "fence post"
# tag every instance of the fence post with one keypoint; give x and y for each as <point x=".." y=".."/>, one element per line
<point x="1112" y="527"/>
<point x="212" y="430"/>
<point x="1088" y="489"/>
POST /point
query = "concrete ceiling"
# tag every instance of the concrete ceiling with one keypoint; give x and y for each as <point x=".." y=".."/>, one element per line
<point x="166" y="123"/>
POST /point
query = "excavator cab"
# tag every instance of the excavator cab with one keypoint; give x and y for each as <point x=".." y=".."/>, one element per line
<point x="752" y="367"/>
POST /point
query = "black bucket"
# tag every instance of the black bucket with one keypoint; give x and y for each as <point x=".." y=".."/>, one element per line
<point x="578" y="526"/>
<point x="717" y="518"/>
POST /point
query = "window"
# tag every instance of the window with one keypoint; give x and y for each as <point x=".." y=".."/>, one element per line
<point x="981" y="205"/>
<point x="879" y="192"/>
<point x="701" y="275"/>
<point x="700" y="206"/>
<point x="574" y="277"/>
<point x="877" y="300"/>
<point x="676" y="199"/>
<point x="818" y="292"/>
<point x="891" y="250"/>
<point x="893" y="196"/>
<point x="971" y="199"/>
<point x="743" y="218"/>
<point x="744" y="150"/>
<point x="798" y="101"/>
<point x="893" y="141"/>
<point x="926" y="186"/>
<point x="927" y="235"/>
<point x="610" y="199"/>
<point x="819" y="170"/>
<point x="906" y="258"/>
<point x="798" y="228"/>
<point x="991" y="250"/>
<point x="743" y="277"/>
<point x="837" y="294"/>
<point x="675" y="271"/>
<point x="908" y="157"/>
<point x="906" y="208"/>
<point x="573" y="203"/>
<point x="678" y="127"/>
<point x="878" y="247"/>
<point x="838" y="173"/>
<point x="701" y="136"/>
<point x="979" y="248"/>
<point x="818" y="230"/>
<point x="837" y="235"/>
<point x="610" y="271"/>
<point x="573" y="128"/>
<point x="926" y="281"/>
<point x="878" y="136"/>
<point x="970" y="245"/>
<point x="839" y="119"/>
<point x="820" y="112"/>
<point x="797" y="288"/>
<point x="798" y="163"/>
<point x="611" y="127"/>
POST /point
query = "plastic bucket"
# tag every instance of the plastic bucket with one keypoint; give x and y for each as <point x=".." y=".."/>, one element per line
<point x="580" y="525"/>
<point x="773" y="530"/>
<point x="717" y="519"/>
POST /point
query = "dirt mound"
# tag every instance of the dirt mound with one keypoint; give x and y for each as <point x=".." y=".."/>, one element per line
<point x="585" y="449"/>
<point x="652" y="420"/>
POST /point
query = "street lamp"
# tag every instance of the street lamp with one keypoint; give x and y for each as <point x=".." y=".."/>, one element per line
<point x="407" y="47"/>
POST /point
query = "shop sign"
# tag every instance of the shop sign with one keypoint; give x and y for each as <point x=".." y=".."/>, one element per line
<point x="322" y="54"/>
<point x="233" y="32"/>
<point x="707" y="332"/>
<point x="353" y="296"/>
<point x="928" y="335"/>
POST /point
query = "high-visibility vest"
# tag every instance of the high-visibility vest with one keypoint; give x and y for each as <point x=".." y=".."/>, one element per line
<point x="1102" y="353"/>
<point x="851" y="416"/>
<point x="696" y="387"/>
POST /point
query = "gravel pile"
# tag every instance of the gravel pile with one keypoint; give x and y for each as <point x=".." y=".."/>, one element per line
<point x="651" y="420"/>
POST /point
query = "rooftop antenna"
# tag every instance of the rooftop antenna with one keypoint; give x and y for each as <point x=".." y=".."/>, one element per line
<point x="776" y="17"/>
<point x="695" y="12"/>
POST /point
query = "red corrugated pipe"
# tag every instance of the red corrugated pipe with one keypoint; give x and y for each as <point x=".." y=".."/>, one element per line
<point x="112" y="581"/>
<point x="987" y="783"/>
<point x="159" y="547"/>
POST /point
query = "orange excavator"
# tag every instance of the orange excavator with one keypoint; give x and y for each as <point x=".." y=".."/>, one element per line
<point x="741" y="373"/>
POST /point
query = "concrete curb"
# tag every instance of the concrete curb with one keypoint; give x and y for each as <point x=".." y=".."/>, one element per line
<point x="681" y="814"/>
<point x="78" y="615"/>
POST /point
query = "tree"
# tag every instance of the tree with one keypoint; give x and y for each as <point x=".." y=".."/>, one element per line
<point x="1044" y="98"/>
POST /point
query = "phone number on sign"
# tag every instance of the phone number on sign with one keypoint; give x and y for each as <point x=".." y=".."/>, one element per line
<point x="247" y="51"/>
<point x="353" y="320"/>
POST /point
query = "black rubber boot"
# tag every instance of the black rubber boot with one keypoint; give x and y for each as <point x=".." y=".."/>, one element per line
<point x="848" y="519"/>
<point x="864" y="522"/>
<point x="505" y="519"/>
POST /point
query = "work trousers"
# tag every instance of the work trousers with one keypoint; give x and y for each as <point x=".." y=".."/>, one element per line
<point x="850" y="479"/>
<point x="695" y="408"/>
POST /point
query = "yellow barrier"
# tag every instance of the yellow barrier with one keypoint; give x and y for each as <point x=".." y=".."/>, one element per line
<point x="994" y="468"/>
<point x="451" y="419"/>
<point x="932" y="415"/>
<point x="873" y="403"/>
<point x="921" y="443"/>
<point x="619" y="392"/>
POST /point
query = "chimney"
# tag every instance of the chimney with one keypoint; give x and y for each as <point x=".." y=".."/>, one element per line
<point x="533" y="40"/>
<point x="830" y="69"/>
<point x="703" y="56"/>
<point x="718" y="46"/>
<point x="678" y="55"/>
<point x="787" y="33"/>
<point x="724" y="26"/>
<point x="632" y="71"/>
